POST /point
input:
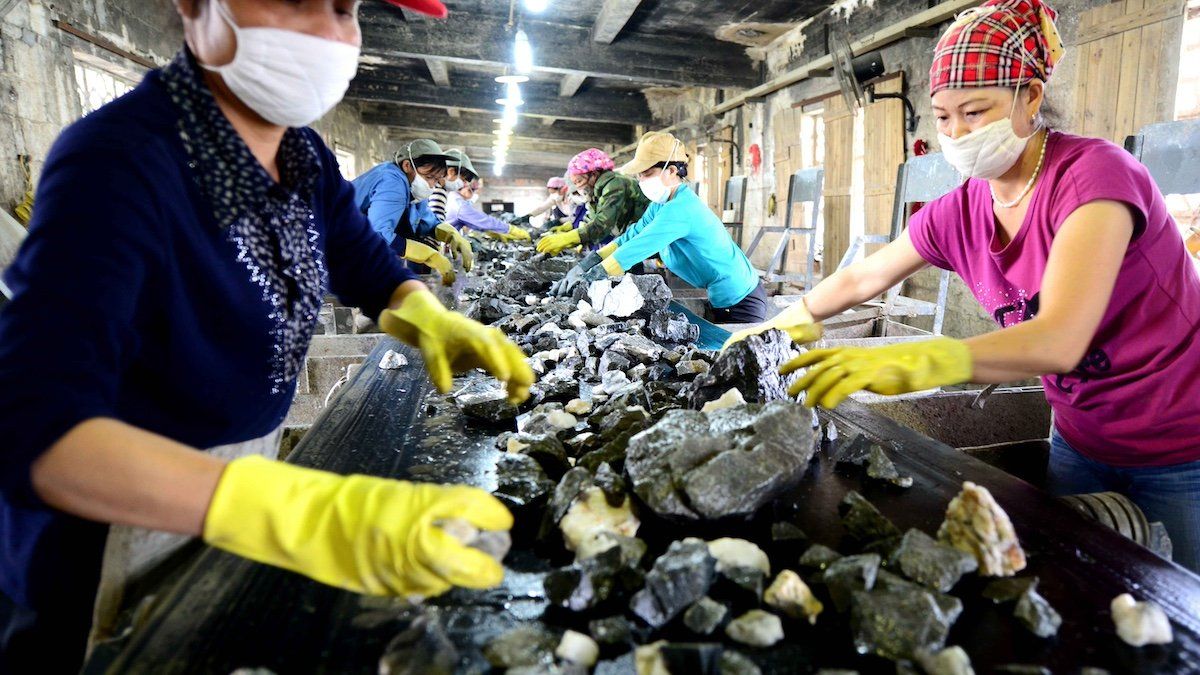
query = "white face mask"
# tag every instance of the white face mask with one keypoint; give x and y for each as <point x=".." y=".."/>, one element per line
<point x="289" y="78"/>
<point x="654" y="188"/>
<point x="988" y="152"/>
<point x="421" y="189"/>
<point x="454" y="185"/>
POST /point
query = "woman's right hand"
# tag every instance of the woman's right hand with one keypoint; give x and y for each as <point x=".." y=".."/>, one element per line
<point x="361" y="533"/>
<point x="796" y="321"/>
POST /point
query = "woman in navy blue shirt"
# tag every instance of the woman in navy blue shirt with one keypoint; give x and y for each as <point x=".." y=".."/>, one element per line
<point x="184" y="238"/>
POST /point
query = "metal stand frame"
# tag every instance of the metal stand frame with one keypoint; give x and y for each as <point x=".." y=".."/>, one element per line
<point x="803" y="187"/>
<point x="735" y="200"/>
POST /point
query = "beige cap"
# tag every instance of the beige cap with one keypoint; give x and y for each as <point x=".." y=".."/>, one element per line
<point x="655" y="147"/>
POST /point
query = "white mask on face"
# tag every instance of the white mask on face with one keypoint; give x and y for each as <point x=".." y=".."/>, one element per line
<point x="454" y="185"/>
<point x="988" y="152"/>
<point x="654" y="188"/>
<point x="291" y="79"/>
<point x="421" y="189"/>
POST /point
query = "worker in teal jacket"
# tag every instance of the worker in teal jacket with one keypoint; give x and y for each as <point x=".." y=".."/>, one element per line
<point x="682" y="231"/>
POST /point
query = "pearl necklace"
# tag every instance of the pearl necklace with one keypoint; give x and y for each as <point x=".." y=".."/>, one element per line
<point x="1032" y="179"/>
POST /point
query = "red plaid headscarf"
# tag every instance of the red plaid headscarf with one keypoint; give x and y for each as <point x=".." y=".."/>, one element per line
<point x="1003" y="43"/>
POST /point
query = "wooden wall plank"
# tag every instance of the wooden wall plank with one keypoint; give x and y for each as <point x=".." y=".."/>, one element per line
<point x="1123" y="18"/>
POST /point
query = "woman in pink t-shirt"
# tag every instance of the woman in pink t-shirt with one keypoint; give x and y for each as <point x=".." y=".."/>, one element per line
<point x="1067" y="242"/>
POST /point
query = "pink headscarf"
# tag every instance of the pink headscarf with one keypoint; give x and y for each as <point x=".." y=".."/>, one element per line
<point x="590" y="160"/>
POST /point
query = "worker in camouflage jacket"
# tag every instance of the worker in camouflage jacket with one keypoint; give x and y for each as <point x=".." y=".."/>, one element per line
<point x="615" y="202"/>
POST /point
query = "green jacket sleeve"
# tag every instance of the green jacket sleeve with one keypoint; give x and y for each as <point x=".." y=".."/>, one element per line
<point x="619" y="202"/>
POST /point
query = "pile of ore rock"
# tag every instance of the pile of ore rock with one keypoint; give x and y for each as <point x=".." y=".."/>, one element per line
<point x="630" y="423"/>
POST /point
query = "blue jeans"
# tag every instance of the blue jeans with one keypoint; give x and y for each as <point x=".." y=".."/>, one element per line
<point x="1168" y="494"/>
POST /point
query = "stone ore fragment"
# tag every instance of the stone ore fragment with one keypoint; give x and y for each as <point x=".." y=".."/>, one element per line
<point x="728" y="463"/>
<point x="578" y="649"/>
<point x="672" y="328"/>
<point x="784" y="531"/>
<point x="819" y="556"/>
<point x="592" y="581"/>
<point x="492" y="406"/>
<point x="573" y="482"/>
<point x="845" y="576"/>
<point x="1024" y="669"/>
<point x="731" y="553"/>
<point x="649" y="660"/>
<point x="949" y="661"/>
<point x="613" y="361"/>
<point x="632" y="549"/>
<point x="621" y="300"/>
<point x="421" y="649"/>
<point x="731" y="399"/>
<point x="863" y="521"/>
<point x="704" y="616"/>
<point x="490" y="310"/>
<point x="751" y="366"/>
<point x="590" y="513"/>
<point x="756" y="628"/>
<point x="855" y="450"/>
<point x="689" y="368"/>
<point x="680" y="577"/>
<point x="1140" y="623"/>
<point x="578" y="407"/>
<point x="692" y="658"/>
<point x="975" y="523"/>
<point x="521" y="646"/>
<point x="545" y="449"/>
<point x="524" y="280"/>
<point x="655" y="293"/>
<point x="743" y="586"/>
<point x="496" y="544"/>
<point x="950" y="606"/>
<point x="896" y="624"/>
<point x="612" y="483"/>
<point x="1008" y="590"/>
<point x="613" y="630"/>
<point x="392" y="360"/>
<point x="881" y="468"/>
<point x="790" y="595"/>
<point x="639" y="348"/>
<point x="521" y="481"/>
<point x="736" y="663"/>
<point x="1035" y="613"/>
<point x="929" y="563"/>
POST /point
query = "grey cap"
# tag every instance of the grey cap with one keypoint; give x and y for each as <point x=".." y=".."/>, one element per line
<point x="422" y="147"/>
<point x="459" y="159"/>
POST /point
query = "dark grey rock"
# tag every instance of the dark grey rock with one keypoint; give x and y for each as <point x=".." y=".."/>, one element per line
<point x="613" y="630"/>
<point x="752" y="367"/>
<point x="880" y="467"/>
<point x="592" y="581"/>
<point x="698" y="658"/>
<point x="950" y="606"/>
<point x="654" y="292"/>
<point x="490" y="310"/>
<point x="612" y="483"/>
<point x="1036" y="614"/>
<point x="521" y="646"/>
<point x="573" y="482"/>
<point x="521" y="481"/>
<point x="422" y="648"/>
<point x="897" y="624"/>
<point x="705" y="616"/>
<point x="855" y="450"/>
<point x="690" y="368"/>
<point x="921" y="558"/>
<point x="742" y="586"/>
<point x="491" y="406"/>
<point x="863" y="521"/>
<point x="672" y="328"/>
<point x="784" y="531"/>
<point x="819" y="556"/>
<point x="524" y="280"/>
<point x="611" y="360"/>
<point x="639" y="348"/>
<point x="547" y="451"/>
<point x="1008" y="589"/>
<point x="680" y="577"/>
<point x="1023" y="669"/>
<point x="845" y="576"/>
<point x="726" y="463"/>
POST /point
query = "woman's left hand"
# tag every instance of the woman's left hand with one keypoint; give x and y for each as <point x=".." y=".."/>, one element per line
<point x="834" y="374"/>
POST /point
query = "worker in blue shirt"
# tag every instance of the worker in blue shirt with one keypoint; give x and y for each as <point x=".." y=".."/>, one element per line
<point x="185" y="237"/>
<point x="394" y="196"/>
<point x="682" y="231"/>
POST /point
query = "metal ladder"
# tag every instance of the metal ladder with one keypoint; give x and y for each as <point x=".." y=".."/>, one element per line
<point x="804" y="186"/>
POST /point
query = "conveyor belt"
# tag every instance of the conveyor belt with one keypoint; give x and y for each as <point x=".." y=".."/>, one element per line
<point x="229" y="613"/>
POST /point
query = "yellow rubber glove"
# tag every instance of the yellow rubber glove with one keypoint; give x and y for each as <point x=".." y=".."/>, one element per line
<point x="834" y="374"/>
<point x="558" y="242"/>
<point x="452" y="343"/>
<point x="607" y="250"/>
<point x="517" y="234"/>
<point x="796" y="321"/>
<point x="565" y="227"/>
<point x="446" y="234"/>
<point x="611" y="267"/>
<point x="415" y="251"/>
<point x="361" y="533"/>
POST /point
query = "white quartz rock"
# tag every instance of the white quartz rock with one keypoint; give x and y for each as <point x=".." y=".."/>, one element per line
<point x="591" y="513"/>
<point x="649" y="660"/>
<point x="731" y="553"/>
<point x="790" y="595"/>
<point x="730" y="399"/>
<point x="620" y="301"/>
<point x="976" y="524"/>
<point x="756" y="628"/>
<point x="578" y="406"/>
<point x="1140" y="623"/>
<point x="578" y="648"/>
<point x="393" y="360"/>
<point x="949" y="661"/>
